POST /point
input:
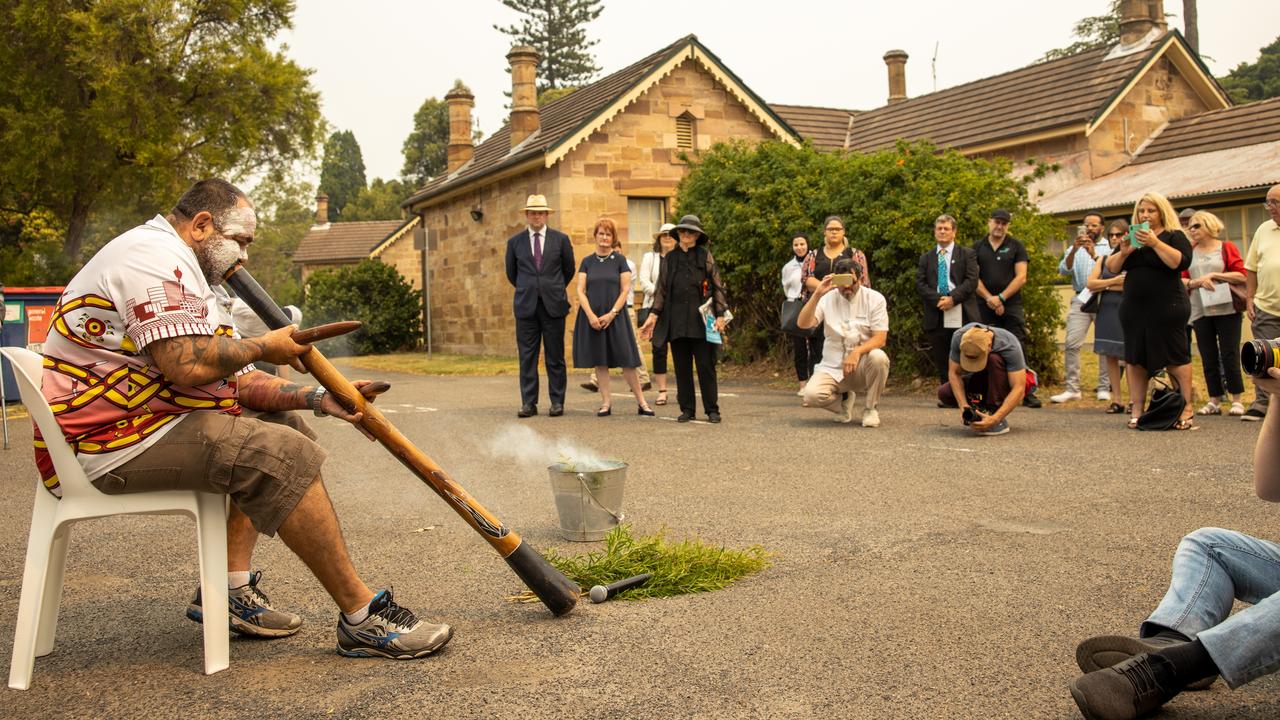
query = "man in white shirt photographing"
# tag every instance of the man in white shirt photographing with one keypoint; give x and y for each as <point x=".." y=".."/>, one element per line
<point x="856" y="325"/>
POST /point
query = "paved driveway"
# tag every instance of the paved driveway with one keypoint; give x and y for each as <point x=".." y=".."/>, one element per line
<point x="920" y="572"/>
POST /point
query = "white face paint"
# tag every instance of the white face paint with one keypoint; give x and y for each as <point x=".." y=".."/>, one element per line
<point x="224" y="249"/>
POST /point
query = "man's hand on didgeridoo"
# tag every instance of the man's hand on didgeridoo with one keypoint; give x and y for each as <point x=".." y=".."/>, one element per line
<point x="371" y="389"/>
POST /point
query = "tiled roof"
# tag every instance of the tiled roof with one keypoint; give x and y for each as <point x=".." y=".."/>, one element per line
<point x="1036" y="98"/>
<point x="1238" y="126"/>
<point x="557" y="119"/>
<point x="826" y="128"/>
<point x="345" y="241"/>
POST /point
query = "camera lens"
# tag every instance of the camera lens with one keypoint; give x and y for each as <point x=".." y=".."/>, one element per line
<point x="1256" y="356"/>
<point x="968" y="415"/>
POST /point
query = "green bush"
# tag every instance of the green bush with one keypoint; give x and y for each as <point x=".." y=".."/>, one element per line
<point x="373" y="293"/>
<point x="752" y="198"/>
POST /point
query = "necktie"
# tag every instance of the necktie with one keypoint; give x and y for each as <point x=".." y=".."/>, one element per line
<point x="944" y="287"/>
<point x="537" y="250"/>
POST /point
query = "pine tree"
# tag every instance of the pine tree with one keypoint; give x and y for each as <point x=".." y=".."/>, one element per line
<point x="341" y="172"/>
<point x="557" y="30"/>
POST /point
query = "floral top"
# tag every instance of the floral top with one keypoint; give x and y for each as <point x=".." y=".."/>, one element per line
<point x="816" y="265"/>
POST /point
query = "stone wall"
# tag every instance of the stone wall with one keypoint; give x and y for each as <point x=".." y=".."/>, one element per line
<point x="631" y="155"/>
<point x="407" y="261"/>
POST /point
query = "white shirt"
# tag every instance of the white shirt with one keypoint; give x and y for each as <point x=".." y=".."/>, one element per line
<point x="848" y="324"/>
<point x="650" y="265"/>
<point x="791" y="279"/>
<point x="542" y="234"/>
<point x="946" y="254"/>
<point x="631" y="295"/>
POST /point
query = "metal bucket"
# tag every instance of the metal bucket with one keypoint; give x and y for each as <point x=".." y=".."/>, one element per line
<point x="589" y="503"/>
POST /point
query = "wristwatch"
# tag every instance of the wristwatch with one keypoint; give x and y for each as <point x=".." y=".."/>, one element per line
<point x="313" y="401"/>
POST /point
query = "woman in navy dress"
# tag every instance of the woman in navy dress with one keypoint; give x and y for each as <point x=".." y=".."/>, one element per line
<point x="602" y="337"/>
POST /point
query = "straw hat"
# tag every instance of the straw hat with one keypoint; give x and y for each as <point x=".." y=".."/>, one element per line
<point x="664" y="230"/>
<point x="537" y="203"/>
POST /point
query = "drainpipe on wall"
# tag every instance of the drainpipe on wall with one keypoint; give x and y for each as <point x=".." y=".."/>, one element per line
<point x="420" y="243"/>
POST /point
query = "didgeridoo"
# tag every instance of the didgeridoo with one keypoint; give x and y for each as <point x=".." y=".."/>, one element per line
<point x="556" y="591"/>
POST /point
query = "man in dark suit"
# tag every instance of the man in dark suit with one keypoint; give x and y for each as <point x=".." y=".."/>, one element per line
<point x="940" y="298"/>
<point x="539" y="266"/>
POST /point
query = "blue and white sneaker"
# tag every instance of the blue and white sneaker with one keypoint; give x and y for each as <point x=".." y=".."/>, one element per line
<point x="390" y="631"/>
<point x="250" y="612"/>
<point x="999" y="428"/>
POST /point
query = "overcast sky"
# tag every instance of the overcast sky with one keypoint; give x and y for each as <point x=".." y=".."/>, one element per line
<point x="376" y="61"/>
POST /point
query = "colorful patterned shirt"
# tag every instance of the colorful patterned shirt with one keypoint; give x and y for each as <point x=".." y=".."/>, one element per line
<point x="107" y="395"/>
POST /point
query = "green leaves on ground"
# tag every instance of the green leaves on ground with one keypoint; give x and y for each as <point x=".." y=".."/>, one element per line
<point x="376" y="295"/>
<point x="678" y="567"/>
<point x="752" y="199"/>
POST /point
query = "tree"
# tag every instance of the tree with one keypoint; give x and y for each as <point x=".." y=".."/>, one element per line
<point x="752" y="198"/>
<point x="1092" y="32"/>
<point x="373" y="293"/>
<point x="117" y="105"/>
<point x="341" y="172"/>
<point x="285" y="213"/>
<point x="380" y="201"/>
<point x="1251" y="82"/>
<point x="556" y="29"/>
<point x="425" y="150"/>
<point x="1191" y="24"/>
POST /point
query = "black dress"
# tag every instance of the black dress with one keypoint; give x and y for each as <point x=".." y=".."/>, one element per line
<point x="1155" y="308"/>
<point x="615" y="346"/>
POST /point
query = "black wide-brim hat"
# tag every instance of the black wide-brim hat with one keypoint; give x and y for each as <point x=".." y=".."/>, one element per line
<point x="690" y="222"/>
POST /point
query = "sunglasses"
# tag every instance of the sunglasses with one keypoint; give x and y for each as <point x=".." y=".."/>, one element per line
<point x="1194" y="226"/>
<point x="1119" y="234"/>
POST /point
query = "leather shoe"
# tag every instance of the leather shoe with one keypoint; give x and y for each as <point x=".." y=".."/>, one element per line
<point x="527" y="410"/>
<point x="713" y="417"/>
<point x="557" y="409"/>
<point x="685" y="417"/>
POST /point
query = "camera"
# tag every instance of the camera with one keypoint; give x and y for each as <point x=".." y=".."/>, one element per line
<point x="969" y="415"/>
<point x="1256" y="356"/>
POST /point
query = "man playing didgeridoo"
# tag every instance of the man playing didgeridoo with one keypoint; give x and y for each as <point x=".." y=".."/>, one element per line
<point x="154" y="391"/>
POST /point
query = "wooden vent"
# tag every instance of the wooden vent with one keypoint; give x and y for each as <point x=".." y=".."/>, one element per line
<point x="684" y="132"/>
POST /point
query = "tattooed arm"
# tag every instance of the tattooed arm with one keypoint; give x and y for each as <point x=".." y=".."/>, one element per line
<point x="193" y="360"/>
<point x="268" y="393"/>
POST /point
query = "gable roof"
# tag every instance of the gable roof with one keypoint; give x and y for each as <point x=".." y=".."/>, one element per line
<point x="344" y="242"/>
<point x="1238" y="126"/>
<point x="826" y="128"/>
<point x="567" y="121"/>
<point x="1056" y="97"/>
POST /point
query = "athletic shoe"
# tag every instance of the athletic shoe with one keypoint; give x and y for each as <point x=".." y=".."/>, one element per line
<point x="1253" y="415"/>
<point x="846" y="409"/>
<point x="1103" y="651"/>
<point x="1125" y="691"/>
<point x="1104" y="396"/>
<point x="250" y="612"/>
<point x="1031" y="401"/>
<point x="1065" y="396"/>
<point x="390" y="631"/>
<point x="999" y="428"/>
<point x="870" y="418"/>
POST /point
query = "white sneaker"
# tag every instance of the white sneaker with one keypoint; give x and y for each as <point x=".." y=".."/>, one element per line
<point x="1104" y="395"/>
<point x="1065" y="396"/>
<point x="846" y="409"/>
<point x="870" y="418"/>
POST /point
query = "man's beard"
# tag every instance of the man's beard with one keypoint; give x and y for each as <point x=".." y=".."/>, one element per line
<point x="216" y="257"/>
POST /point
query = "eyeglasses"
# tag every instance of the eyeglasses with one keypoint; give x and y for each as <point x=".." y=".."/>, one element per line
<point x="1271" y="204"/>
<point x="834" y="229"/>
<point x="1119" y="234"/>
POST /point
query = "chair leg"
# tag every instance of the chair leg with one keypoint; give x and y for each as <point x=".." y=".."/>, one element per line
<point x="211" y="531"/>
<point x="48" y="628"/>
<point x="39" y="544"/>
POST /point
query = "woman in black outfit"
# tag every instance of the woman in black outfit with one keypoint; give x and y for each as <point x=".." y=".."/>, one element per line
<point x="807" y="350"/>
<point x="688" y="279"/>
<point x="1155" y="308"/>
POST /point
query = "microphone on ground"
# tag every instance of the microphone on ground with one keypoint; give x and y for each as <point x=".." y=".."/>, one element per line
<point x="600" y="593"/>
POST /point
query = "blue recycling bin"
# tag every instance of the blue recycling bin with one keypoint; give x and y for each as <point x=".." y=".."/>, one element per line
<point x="27" y="312"/>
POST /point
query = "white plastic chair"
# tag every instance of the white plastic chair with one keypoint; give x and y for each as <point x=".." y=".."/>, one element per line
<point x="51" y="521"/>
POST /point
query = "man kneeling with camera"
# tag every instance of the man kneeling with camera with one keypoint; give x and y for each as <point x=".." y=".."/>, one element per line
<point x="986" y="377"/>
<point x="855" y="323"/>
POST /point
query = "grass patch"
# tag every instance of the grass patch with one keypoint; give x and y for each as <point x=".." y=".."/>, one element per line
<point x="418" y="363"/>
<point x="678" y="567"/>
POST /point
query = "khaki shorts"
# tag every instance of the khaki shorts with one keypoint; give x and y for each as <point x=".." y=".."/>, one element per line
<point x="263" y="461"/>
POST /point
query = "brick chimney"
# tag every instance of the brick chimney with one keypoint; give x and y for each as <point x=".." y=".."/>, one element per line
<point x="524" y="92"/>
<point x="1138" y="17"/>
<point x="897" y="62"/>
<point x="460" y="101"/>
<point x="322" y="209"/>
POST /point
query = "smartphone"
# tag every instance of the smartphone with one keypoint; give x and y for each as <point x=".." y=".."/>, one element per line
<point x="1133" y="233"/>
<point x="1081" y="230"/>
<point x="842" y="280"/>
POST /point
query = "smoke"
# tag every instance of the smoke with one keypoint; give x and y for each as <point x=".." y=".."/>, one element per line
<point x="524" y="446"/>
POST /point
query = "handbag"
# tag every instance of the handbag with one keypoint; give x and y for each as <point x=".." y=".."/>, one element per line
<point x="1165" y="408"/>
<point x="1239" y="302"/>
<point x="1091" y="305"/>
<point x="790" y="314"/>
<point x="641" y="315"/>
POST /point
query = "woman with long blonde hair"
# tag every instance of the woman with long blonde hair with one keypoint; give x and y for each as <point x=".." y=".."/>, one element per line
<point x="1155" y="308"/>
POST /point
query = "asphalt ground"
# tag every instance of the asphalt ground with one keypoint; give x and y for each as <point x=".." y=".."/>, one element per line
<point x="919" y="571"/>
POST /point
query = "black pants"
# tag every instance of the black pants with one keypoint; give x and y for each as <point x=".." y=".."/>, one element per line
<point x="547" y="332"/>
<point x="986" y="389"/>
<point x="685" y="353"/>
<point x="940" y="350"/>
<point x="1219" y="341"/>
<point x="807" y="352"/>
<point x="1014" y="320"/>
<point x="659" y="364"/>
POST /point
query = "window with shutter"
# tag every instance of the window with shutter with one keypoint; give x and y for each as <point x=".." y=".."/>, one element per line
<point x="684" y="132"/>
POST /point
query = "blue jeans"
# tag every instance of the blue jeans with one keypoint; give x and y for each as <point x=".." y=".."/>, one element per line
<point x="1212" y="568"/>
